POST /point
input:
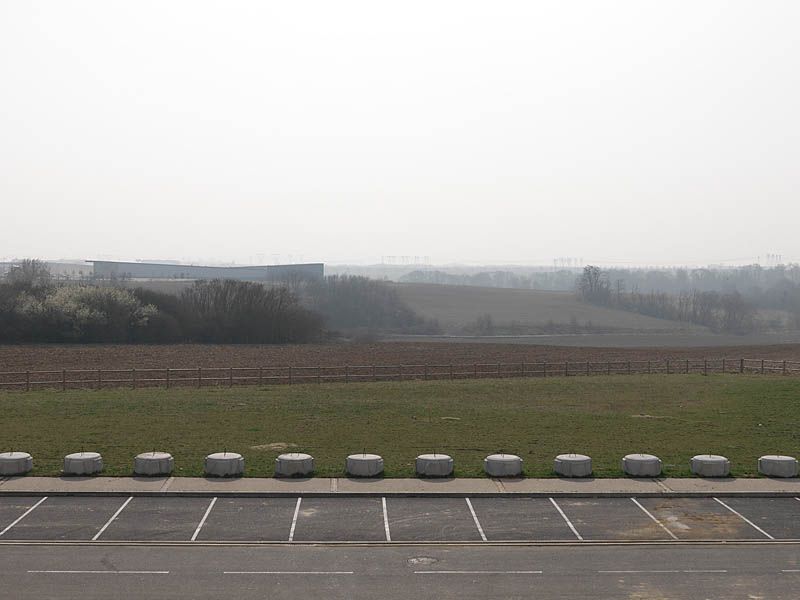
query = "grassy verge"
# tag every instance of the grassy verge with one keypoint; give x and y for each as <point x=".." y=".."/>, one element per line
<point x="672" y="416"/>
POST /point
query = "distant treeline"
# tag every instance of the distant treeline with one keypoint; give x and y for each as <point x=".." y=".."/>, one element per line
<point x="724" y="312"/>
<point x="364" y="305"/>
<point x="545" y="280"/>
<point x="763" y="287"/>
<point x="776" y="288"/>
<point x="35" y="309"/>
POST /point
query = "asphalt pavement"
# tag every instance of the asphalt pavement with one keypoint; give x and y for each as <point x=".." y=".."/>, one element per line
<point x="680" y="571"/>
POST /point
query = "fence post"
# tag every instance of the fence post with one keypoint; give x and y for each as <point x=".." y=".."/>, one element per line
<point x="290" y="375"/>
<point x="374" y="377"/>
<point x="649" y="368"/>
<point x="475" y="370"/>
<point x="401" y="373"/>
<point x="199" y="377"/>
<point x="425" y="371"/>
<point x="133" y="378"/>
<point x="27" y="381"/>
<point x="64" y="377"/>
<point x="687" y="366"/>
<point x="784" y="367"/>
<point x="498" y="370"/>
<point x="741" y="365"/>
<point x="544" y="369"/>
<point x="347" y="373"/>
<point x="99" y="379"/>
<point x="668" y="367"/>
<point x="762" y="366"/>
<point x="451" y="370"/>
<point x="260" y="375"/>
<point x="588" y="368"/>
<point x="319" y="375"/>
<point x="629" y="367"/>
<point x="609" y="367"/>
<point x="523" y="369"/>
<point x="723" y="366"/>
<point x="705" y="366"/>
<point x="167" y="377"/>
<point x="566" y="368"/>
<point x="230" y="376"/>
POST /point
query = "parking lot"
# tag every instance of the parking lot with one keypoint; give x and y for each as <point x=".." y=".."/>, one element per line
<point x="396" y="519"/>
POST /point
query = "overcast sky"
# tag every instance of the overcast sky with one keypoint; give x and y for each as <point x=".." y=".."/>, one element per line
<point x="631" y="132"/>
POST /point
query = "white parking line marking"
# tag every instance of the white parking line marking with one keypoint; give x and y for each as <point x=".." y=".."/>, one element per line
<point x="22" y="516"/>
<point x="203" y="520"/>
<point x="386" y="521"/>
<point x="287" y="572"/>
<point x="294" y="518"/>
<point x="745" y="519"/>
<point x="571" y="526"/>
<point x="790" y="570"/>
<point x="105" y="572"/>
<point x="659" y="523"/>
<point x="475" y="518"/>
<point x="114" y="516"/>
<point x="477" y="572"/>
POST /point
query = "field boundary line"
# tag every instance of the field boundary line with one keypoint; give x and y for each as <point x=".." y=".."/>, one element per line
<point x="170" y="377"/>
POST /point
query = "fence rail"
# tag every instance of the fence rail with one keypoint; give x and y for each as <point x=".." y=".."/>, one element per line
<point x="221" y="376"/>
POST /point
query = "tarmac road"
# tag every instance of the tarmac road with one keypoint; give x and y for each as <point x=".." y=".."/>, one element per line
<point x="680" y="571"/>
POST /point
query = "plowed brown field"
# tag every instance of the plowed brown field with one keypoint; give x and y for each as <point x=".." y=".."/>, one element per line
<point x="110" y="356"/>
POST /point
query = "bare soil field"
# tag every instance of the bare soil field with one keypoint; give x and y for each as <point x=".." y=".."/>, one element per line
<point x="110" y="356"/>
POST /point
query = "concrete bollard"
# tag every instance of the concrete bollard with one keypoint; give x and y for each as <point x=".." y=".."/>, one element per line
<point x="153" y="463"/>
<point x="224" y="464"/>
<point x="83" y="463"/>
<point x="364" y="465"/>
<point x="294" y="464"/>
<point x="15" y="463"/>
<point x="641" y="465"/>
<point x="503" y="465"/>
<point x="434" y="465"/>
<point x="775" y="465"/>
<point x="710" y="465"/>
<point x="573" y="465"/>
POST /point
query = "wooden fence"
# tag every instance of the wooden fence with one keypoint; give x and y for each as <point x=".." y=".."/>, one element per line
<point x="229" y="376"/>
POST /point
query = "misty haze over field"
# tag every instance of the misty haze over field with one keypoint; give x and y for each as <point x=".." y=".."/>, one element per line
<point x="621" y="133"/>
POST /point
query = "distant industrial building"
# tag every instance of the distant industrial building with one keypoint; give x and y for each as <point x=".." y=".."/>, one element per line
<point x="107" y="269"/>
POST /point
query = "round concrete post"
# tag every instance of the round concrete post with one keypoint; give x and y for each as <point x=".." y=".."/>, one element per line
<point x="364" y="465"/>
<point x="573" y="465"/>
<point x="83" y="463"/>
<point x="434" y="465"/>
<point x="503" y="465"/>
<point x="15" y="463"/>
<point x="775" y="465"/>
<point x="224" y="464"/>
<point x="153" y="463"/>
<point x="294" y="464"/>
<point x="710" y="465"/>
<point x="641" y="465"/>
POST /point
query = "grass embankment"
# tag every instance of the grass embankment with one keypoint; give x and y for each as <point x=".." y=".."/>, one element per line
<point x="672" y="416"/>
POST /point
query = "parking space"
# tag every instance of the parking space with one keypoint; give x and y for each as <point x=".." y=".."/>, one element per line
<point x="431" y="520"/>
<point x="330" y="519"/>
<point x="507" y="519"/>
<point x="611" y="519"/>
<point x="157" y="519"/>
<point x="779" y="517"/>
<point x="64" y="518"/>
<point x="249" y="519"/>
<point x="398" y="519"/>
<point x="13" y="507"/>
<point x="700" y="519"/>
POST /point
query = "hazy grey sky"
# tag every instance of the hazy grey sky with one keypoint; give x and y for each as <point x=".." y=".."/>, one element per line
<point x="465" y="131"/>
